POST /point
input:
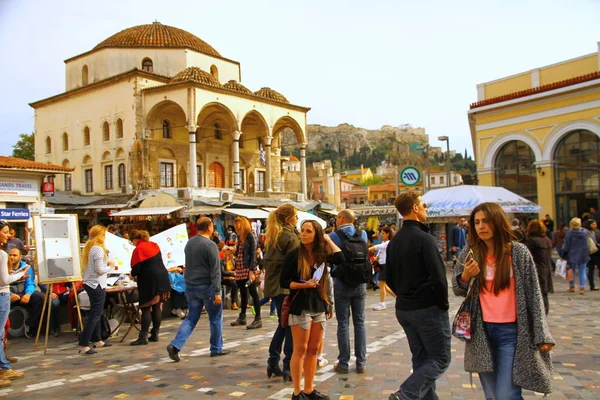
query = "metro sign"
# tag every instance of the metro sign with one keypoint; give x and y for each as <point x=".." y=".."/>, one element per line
<point x="410" y="176"/>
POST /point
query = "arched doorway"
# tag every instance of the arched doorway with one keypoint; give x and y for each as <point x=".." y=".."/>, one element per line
<point x="515" y="169"/>
<point x="216" y="175"/>
<point x="576" y="174"/>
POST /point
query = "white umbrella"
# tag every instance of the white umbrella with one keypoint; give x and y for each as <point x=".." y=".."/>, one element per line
<point x="303" y="216"/>
<point x="458" y="201"/>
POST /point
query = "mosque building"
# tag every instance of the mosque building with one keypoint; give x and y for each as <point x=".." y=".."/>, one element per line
<point x="155" y="107"/>
<point x="537" y="134"/>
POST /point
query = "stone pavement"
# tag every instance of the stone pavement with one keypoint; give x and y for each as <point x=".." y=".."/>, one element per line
<point x="125" y="372"/>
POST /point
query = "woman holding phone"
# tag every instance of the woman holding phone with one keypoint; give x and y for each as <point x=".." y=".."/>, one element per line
<point x="310" y="302"/>
<point x="510" y="342"/>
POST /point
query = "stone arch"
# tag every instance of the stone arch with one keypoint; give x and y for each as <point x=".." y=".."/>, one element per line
<point x="65" y="141"/>
<point x="120" y="153"/>
<point x="173" y="113"/>
<point x="214" y="71"/>
<point x="212" y="113"/>
<point x="556" y="135"/>
<point x="289" y="122"/>
<point x="166" y="152"/>
<point x="86" y="160"/>
<point x="253" y="126"/>
<point x="66" y="163"/>
<point x="489" y="157"/>
<point x="48" y="145"/>
<point x="106" y="156"/>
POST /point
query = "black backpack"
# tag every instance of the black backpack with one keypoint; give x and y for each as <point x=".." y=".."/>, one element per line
<point x="357" y="268"/>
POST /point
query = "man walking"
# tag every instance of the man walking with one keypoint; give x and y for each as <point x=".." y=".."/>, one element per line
<point x="349" y="295"/>
<point x="458" y="237"/>
<point x="202" y="289"/>
<point x="416" y="273"/>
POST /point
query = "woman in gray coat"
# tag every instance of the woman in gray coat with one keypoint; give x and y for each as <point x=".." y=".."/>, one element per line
<point x="510" y="340"/>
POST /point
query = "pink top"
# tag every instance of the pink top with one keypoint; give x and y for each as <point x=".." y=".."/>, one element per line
<point x="503" y="307"/>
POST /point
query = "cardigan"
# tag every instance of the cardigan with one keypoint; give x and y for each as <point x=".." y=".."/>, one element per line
<point x="532" y="368"/>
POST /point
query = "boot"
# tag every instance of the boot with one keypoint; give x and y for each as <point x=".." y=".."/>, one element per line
<point x="240" y="321"/>
<point x="234" y="306"/>
<point x="142" y="339"/>
<point x="153" y="335"/>
<point x="257" y="323"/>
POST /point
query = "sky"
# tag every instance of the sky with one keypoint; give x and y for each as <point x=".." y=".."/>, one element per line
<point x="365" y="63"/>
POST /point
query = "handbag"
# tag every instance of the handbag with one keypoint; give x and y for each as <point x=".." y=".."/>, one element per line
<point x="570" y="275"/>
<point x="286" y="307"/>
<point x="461" y="326"/>
<point x="591" y="245"/>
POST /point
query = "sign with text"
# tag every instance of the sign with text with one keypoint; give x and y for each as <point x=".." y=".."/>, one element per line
<point x="48" y="189"/>
<point x="19" y="187"/>
<point x="14" y="213"/>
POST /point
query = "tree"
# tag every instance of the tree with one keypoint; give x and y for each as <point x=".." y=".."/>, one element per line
<point x="25" y="147"/>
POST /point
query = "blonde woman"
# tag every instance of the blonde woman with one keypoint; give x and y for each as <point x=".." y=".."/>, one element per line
<point x="281" y="238"/>
<point x="575" y="251"/>
<point x="310" y="305"/>
<point x="95" y="268"/>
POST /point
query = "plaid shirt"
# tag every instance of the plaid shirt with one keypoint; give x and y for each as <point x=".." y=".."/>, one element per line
<point x="241" y="272"/>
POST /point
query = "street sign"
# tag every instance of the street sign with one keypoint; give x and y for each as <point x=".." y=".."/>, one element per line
<point x="48" y="189"/>
<point x="410" y="176"/>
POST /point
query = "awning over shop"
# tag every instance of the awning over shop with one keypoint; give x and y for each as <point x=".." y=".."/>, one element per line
<point x="250" y="213"/>
<point x="197" y="210"/>
<point x="146" y="211"/>
<point x="330" y="212"/>
<point x="100" y="207"/>
<point x="303" y="216"/>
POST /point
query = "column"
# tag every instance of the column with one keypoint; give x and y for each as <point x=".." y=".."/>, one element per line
<point x="193" y="172"/>
<point x="303" y="170"/>
<point x="236" y="161"/>
<point x="268" y="177"/>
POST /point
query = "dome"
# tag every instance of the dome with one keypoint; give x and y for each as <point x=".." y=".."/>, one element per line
<point x="157" y="35"/>
<point x="195" y="74"/>
<point x="270" y="94"/>
<point x="237" y="87"/>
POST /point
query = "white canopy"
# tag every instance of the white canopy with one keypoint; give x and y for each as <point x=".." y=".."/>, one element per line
<point x="459" y="201"/>
<point x="303" y="216"/>
<point x="132" y="212"/>
<point x="250" y="213"/>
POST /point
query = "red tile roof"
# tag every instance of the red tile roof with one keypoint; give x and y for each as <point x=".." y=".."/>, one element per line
<point x="21" y="164"/>
<point x="539" y="89"/>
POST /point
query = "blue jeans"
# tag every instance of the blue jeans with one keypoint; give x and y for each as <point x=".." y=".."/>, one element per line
<point x="4" y="310"/>
<point x="581" y="269"/>
<point x="198" y="297"/>
<point x="428" y="334"/>
<point x="279" y="336"/>
<point x="264" y="300"/>
<point x="348" y="298"/>
<point x="503" y="344"/>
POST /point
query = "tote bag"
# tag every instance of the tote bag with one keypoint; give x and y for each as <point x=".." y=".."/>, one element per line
<point x="461" y="326"/>
<point x="592" y="248"/>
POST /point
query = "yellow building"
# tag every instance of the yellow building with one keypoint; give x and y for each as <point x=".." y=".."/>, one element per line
<point x="155" y="107"/>
<point x="537" y="134"/>
<point x="357" y="175"/>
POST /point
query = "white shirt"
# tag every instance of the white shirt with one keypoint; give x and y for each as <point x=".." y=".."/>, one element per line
<point x="381" y="248"/>
<point x="95" y="273"/>
<point x="5" y="278"/>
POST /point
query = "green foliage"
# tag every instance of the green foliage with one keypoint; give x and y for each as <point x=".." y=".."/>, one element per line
<point x="374" y="180"/>
<point x="25" y="147"/>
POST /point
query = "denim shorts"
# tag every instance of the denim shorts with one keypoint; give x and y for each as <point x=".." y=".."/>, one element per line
<point x="305" y="319"/>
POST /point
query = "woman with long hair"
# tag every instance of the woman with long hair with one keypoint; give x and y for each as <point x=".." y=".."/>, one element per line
<point x="95" y="267"/>
<point x="7" y="374"/>
<point x="540" y="246"/>
<point x="154" y="286"/>
<point x="281" y="238"/>
<point x="310" y="302"/>
<point x="387" y="234"/>
<point x="592" y="226"/>
<point x="246" y="272"/>
<point x="575" y="251"/>
<point x="510" y="341"/>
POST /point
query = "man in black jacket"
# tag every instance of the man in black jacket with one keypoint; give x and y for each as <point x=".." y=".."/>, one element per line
<point x="417" y="275"/>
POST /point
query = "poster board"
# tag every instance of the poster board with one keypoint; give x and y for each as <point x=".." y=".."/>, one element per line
<point x="57" y="248"/>
<point x="119" y="251"/>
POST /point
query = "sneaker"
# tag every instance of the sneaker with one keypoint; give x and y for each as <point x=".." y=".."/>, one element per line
<point x="178" y="312"/>
<point x="10" y="374"/>
<point x="322" y="362"/>
<point x="273" y="315"/>
<point x="380" y="307"/>
<point x="253" y="310"/>
<point x="28" y="332"/>
<point x="316" y="395"/>
<point x="340" y="370"/>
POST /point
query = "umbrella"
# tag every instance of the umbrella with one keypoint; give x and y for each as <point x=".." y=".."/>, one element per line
<point x="458" y="201"/>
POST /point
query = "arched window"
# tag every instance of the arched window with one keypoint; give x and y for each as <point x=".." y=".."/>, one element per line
<point x="119" y="128"/>
<point x="65" y="141"/>
<point x="214" y="71"/>
<point x="48" y="145"/>
<point x="166" y="128"/>
<point x="218" y="132"/>
<point x="67" y="181"/>
<point x="86" y="136"/>
<point x="147" y="65"/>
<point x="105" y="132"/>
<point x="121" y="173"/>
<point x="84" y="75"/>
<point x="515" y="169"/>
<point x="216" y="175"/>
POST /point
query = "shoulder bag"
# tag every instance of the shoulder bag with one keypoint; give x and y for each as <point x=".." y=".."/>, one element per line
<point x="591" y="245"/>
<point x="286" y="308"/>
<point x="461" y="326"/>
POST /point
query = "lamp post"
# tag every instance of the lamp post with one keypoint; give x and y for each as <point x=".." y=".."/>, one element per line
<point x="447" y="140"/>
<point x="427" y="179"/>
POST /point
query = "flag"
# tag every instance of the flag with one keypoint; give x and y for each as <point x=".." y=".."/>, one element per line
<point x="262" y="154"/>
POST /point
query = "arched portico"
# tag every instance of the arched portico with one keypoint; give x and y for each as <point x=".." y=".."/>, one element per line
<point x="289" y="122"/>
<point x="491" y="152"/>
<point x="255" y="144"/>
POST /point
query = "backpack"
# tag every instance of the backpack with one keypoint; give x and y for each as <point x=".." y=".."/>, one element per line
<point x="357" y="268"/>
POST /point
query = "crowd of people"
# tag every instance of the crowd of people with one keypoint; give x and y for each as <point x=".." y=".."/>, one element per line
<point x="309" y="273"/>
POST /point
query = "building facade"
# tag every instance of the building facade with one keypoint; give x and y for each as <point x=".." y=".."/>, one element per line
<point x="154" y="107"/>
<point x="538" y="134"/>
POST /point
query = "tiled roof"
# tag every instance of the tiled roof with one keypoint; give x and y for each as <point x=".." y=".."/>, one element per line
<point x="271" y="94"/>
<point x="157" y="35"/>
<point x="294" y="158"/>
<point x="195" y="74"/>
<point x="19" y="163"/>
<point x="539" y="89"/>
<point x="237" y="87"/>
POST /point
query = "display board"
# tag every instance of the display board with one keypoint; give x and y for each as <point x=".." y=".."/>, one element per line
<point x="119" y="252"/>
<point x="57" y="248"/>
